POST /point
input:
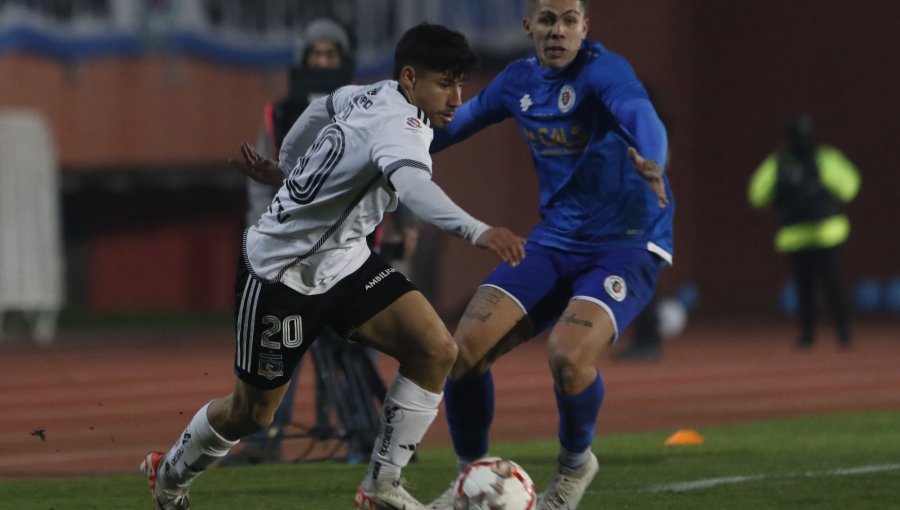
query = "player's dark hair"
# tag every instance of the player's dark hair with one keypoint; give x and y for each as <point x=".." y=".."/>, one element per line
<point x="434" y="48"/>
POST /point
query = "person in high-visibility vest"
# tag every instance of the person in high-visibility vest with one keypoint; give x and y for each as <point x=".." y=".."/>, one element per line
<point x="806" y="183"/>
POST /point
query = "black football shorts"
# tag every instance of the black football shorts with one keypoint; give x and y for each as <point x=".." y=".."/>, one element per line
<point x="275" y="324"/>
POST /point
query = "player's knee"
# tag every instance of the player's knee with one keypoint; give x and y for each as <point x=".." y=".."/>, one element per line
<point x="466" y="361"/>
<point x="566" y="367"/>
<point x="433" y="348"/>
<point x="443" y="350"/>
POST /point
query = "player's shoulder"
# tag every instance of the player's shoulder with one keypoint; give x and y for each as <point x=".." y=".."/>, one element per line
<point x="372" y="104"/>
<point x="348" y="93"/>
<point x="392" y="99"/>
<point x="518" y="77"/>
<point x="390" y="114"/>
<point x="520" y="69"/>
<point x="380" y="99"/>
<point x="602" y="65"/>
<point x="377" y="89"/>
<point x="599" y="56"/>
<point x="392" y="107"/>
<point x="520" y="64"/>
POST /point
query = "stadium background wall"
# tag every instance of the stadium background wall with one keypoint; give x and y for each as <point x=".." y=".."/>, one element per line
<point x="153" y="217"/>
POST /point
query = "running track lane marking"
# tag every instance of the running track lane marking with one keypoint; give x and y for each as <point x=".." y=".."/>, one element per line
<point x="732" y="480"/>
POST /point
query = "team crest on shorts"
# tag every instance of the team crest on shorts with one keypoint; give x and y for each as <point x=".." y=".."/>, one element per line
<point x="566" y="98"/>
<point x="270" y="368"/>
<point x="615" y="287"/>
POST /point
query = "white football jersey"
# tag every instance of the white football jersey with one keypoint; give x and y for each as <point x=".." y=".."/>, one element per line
<point x="336" y="193"/>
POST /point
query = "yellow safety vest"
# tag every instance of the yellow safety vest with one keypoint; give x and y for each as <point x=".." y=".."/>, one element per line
<point x="838" y="175"/>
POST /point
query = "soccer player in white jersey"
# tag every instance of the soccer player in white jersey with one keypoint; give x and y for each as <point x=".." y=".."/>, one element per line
<point x="306" y="266"/>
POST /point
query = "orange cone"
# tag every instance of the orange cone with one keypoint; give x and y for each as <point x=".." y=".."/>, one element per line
<point x="684" y="437"/>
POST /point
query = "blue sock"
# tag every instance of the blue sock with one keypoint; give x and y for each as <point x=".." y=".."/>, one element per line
<point x="470" y="410"/>
<point x="578" y="416"/>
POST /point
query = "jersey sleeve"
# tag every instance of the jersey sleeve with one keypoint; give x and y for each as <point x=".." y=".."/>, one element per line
<point x="428" y="201"/>
<point x="474" y="115"/>
<point x="400" y="149"/>
<point x="401" y="141"/>
<point x="614" y="81"/>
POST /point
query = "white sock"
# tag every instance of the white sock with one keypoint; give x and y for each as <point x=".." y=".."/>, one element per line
<point x="197" y="448"/>
<point x="573" y="460"/>
<point x="407" y="413"/>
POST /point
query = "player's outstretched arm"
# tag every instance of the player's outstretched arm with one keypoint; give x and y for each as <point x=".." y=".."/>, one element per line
<point x="256" y="167"/>
<point x="652" y="172"/>
<point x="509" y="247"/>
<point x="428" y="201"/>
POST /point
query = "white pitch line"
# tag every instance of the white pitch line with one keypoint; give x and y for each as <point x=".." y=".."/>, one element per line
<point x="732" y="480"/>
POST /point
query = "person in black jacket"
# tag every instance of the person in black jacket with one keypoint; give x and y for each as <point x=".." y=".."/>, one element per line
<point x="807" y="183"/>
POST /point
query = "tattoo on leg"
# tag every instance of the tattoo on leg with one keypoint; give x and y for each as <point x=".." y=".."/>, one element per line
<point x="480" y="317"/>
<point x="571" y="319"/>
<point x="479" y="308"/>
<point x="492" y="295"/>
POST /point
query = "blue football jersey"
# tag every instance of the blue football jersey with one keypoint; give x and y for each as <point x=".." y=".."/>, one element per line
<point x="579" y="122"/>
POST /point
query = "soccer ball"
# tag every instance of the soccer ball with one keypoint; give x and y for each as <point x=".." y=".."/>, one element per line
<point x="492" y="483"/>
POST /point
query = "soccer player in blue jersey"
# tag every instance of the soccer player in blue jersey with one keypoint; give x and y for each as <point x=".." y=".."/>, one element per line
<point x="592" y="262"/>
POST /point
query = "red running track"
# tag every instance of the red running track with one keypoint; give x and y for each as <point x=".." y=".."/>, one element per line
<point x="104" y="400"/>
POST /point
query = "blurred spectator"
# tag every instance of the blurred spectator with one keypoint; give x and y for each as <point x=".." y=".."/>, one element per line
<point x="806" y="183"/>
<point x="324" y="64"/>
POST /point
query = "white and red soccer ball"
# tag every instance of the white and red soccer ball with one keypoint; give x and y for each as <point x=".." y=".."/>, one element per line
<point x="492" y="483"/>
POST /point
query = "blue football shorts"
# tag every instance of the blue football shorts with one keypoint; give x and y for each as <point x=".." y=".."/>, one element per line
<point x="621" y="281"/>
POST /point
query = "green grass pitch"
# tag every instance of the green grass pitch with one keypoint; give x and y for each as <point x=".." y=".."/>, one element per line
<point x="835" y="462"/>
